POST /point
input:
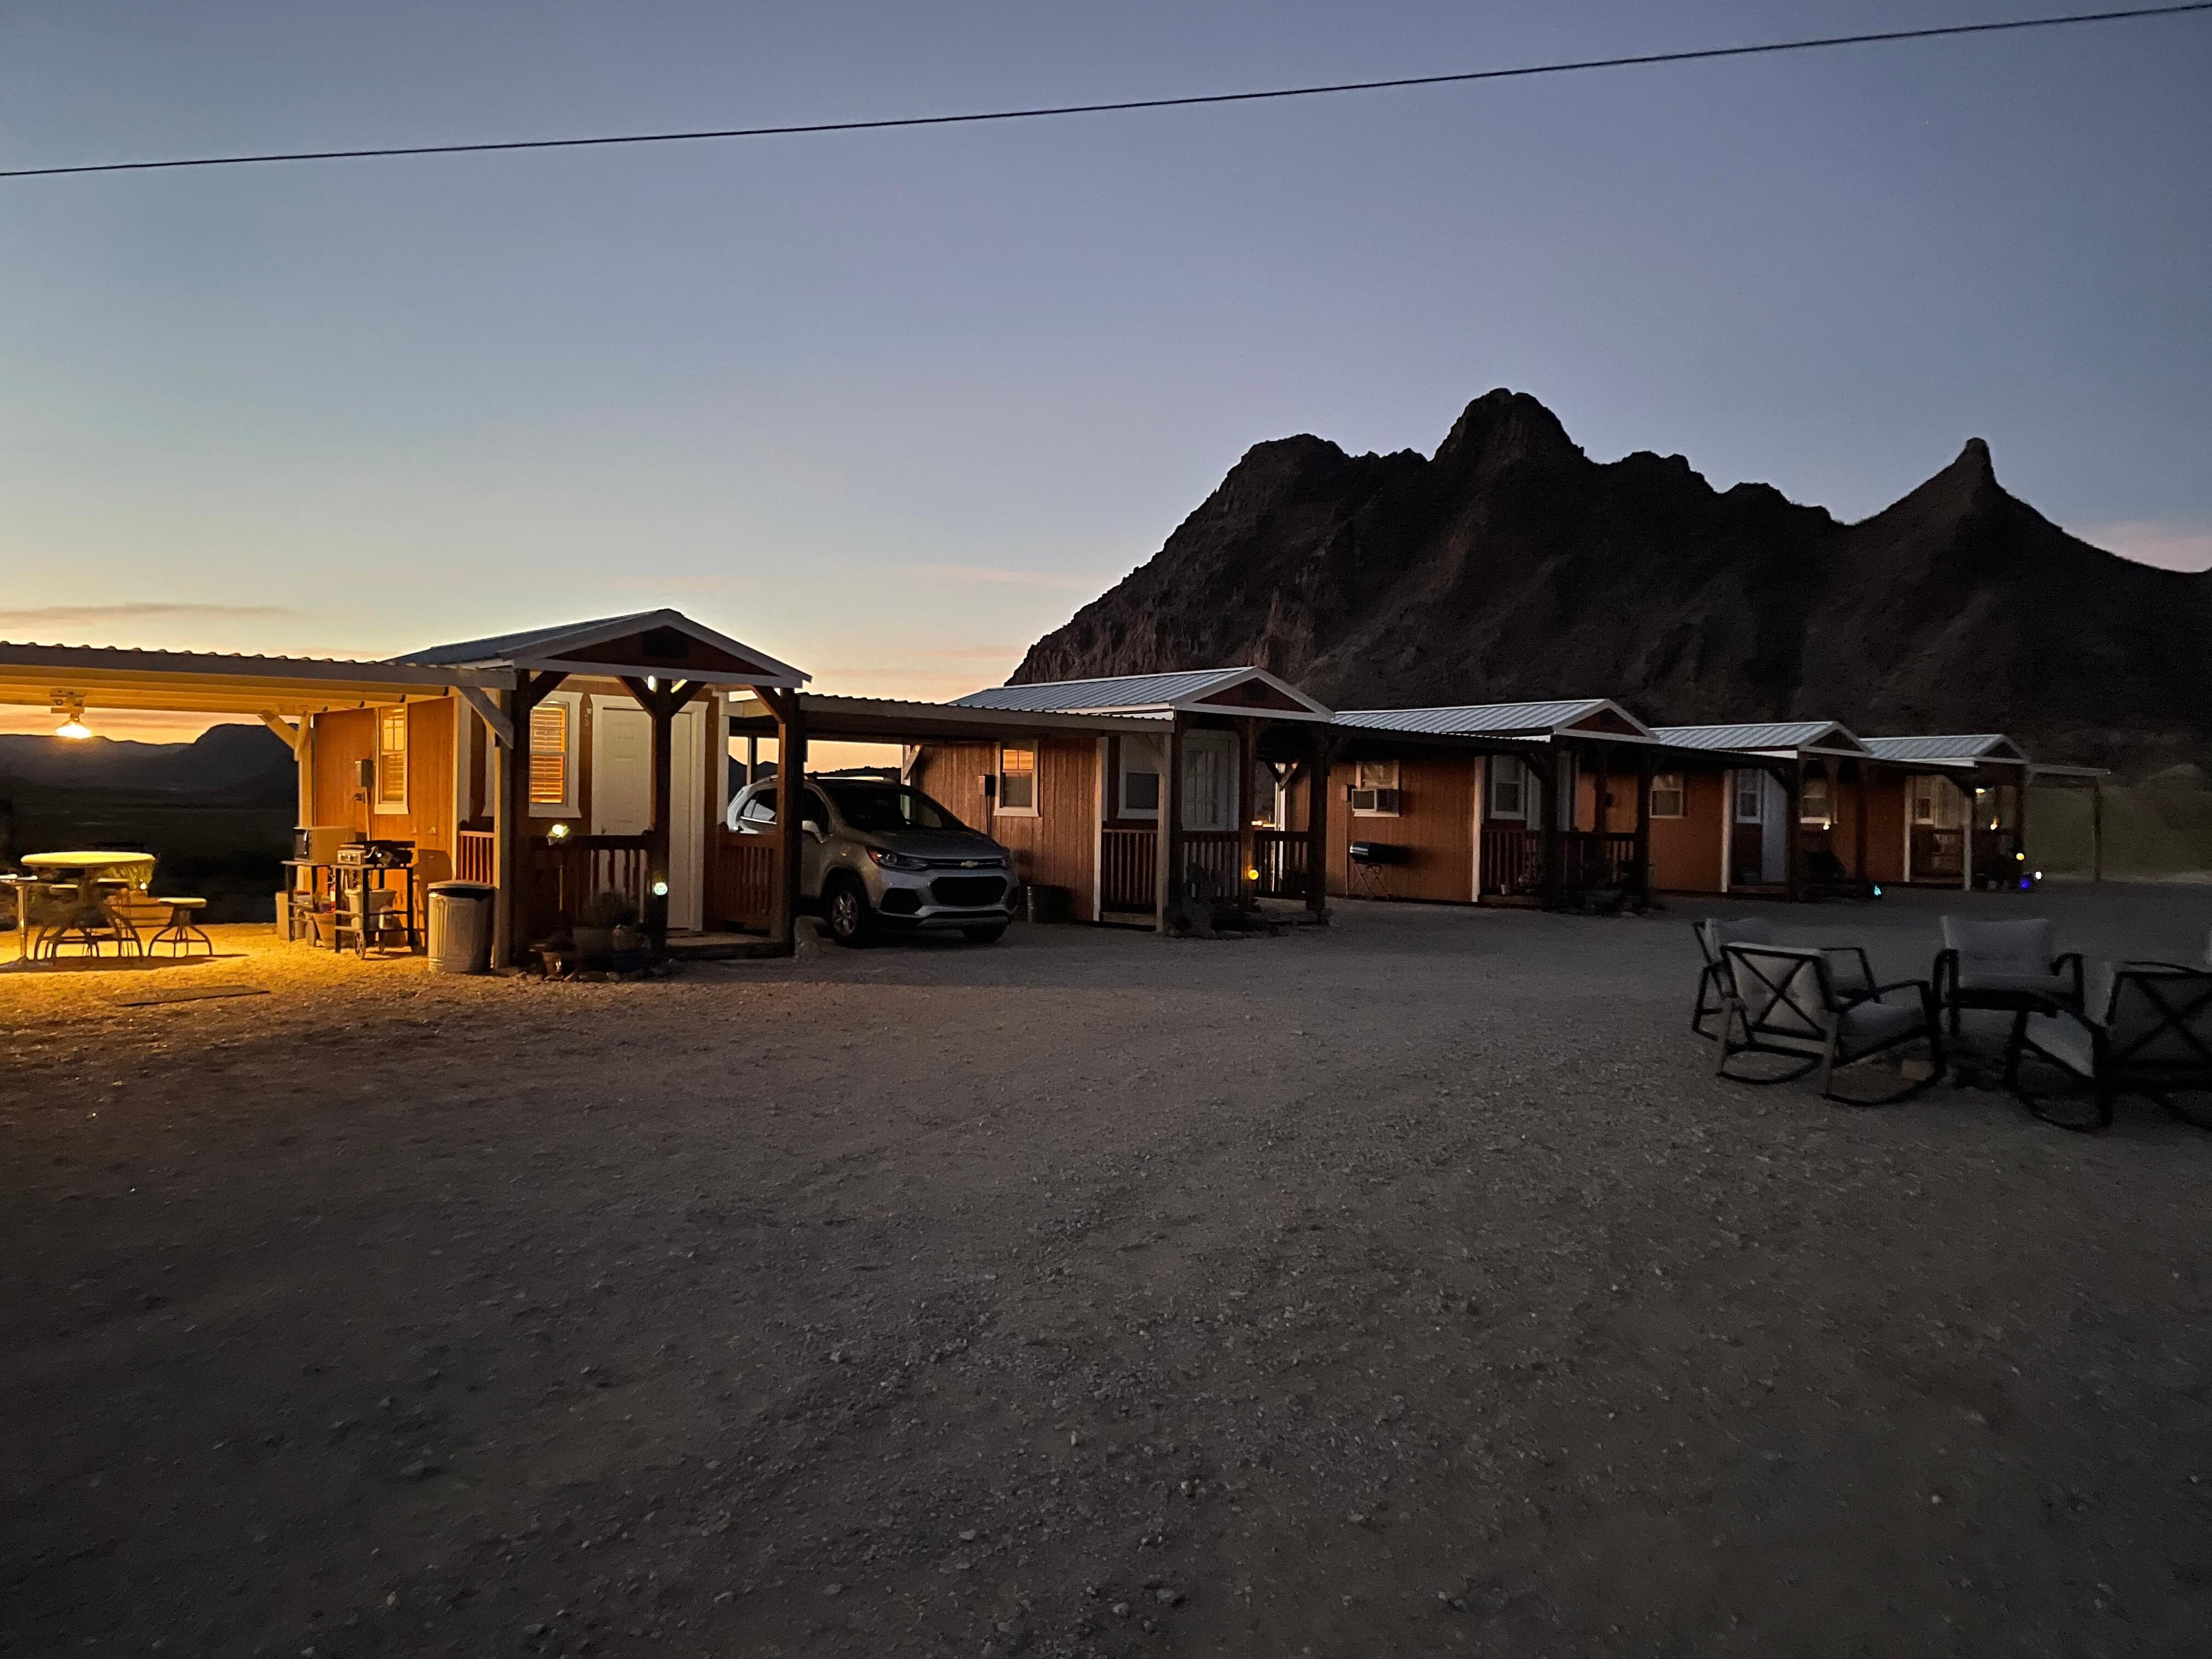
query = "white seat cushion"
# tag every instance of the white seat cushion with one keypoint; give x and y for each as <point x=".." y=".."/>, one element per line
<point x="1974" y="978"/>
<point x="1873" y="1025"/>
<point x="2066" y="1040"/>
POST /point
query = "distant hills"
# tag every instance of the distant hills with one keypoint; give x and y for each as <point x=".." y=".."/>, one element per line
<point x="1511" y="565"/>
<point x="233" y="765"/>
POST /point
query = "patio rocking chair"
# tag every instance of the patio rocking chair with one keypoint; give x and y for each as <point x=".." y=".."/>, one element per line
<point x="2153" y="1037"/>
<point x="1786" y="1001"/>
<point x="2009" y="966"/>
<point x="1713" y="935"/>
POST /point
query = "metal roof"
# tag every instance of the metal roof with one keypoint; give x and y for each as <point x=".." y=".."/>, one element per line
<point x="1477" y="719"/>
<point x="1958" y="749"/>
<point x="551" y="647"/>
<point x="894" y="718"/>
<point x="214" y="682"/>
<point x="1132" y="694"/>
<point x="1754" y="735"/>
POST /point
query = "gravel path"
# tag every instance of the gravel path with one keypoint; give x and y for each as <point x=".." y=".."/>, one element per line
<point x="1406" y="1287"/>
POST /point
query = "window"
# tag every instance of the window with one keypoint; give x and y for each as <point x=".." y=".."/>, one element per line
<point x="1375" y="789"/>
<point x="1750" y="797"/>
<point x="761" y="808"/>
<point x="1509" y="788"/>
<point x="392" y="759"/>
<point x="1018" y="768"/>
<point x="1667" y="795"/>
<point x="552" y="724"/>
<point x="1816" y="803"/>
<point x="1936" y="802"/>
<point x="1141" y="780"/>
<point x="1209" y="781"/>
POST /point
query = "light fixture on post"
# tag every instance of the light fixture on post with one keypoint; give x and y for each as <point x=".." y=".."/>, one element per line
<point x="559" y="831"/>
<point x="70" y="705"/>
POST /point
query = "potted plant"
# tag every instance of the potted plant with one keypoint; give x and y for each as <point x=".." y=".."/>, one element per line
<point x="596" y="920"/>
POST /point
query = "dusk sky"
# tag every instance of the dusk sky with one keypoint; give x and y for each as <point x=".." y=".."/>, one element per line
<point x="890" y="405"/>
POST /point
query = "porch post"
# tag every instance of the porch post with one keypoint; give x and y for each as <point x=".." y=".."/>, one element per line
<point x="1644" y="770"/>
<point x="1859" y="824"/>
<point x="510" y="805"/>
<point x="661" y="706"/>
<point x="790" y="774"/>
<point x="1167" y="879"/>
<point x="2096" y="830"/>
<point x="1795" y="785"/>
<point x="1317" y="787"/>
<point x="1247" y="752"/>
<point x="1549" y="779"/>
<point x="1966" y="852"/>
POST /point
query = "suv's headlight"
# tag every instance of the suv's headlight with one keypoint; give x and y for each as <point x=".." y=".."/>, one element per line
<point x="891" y="860"/>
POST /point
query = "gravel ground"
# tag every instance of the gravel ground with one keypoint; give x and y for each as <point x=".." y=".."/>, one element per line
<point x="1407" y="1287"/>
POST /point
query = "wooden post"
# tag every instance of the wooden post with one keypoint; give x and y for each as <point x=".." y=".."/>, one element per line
<point x="1859" y="826"/>
<point x="661" y="705"/>
<point x="2096" y="830"/>
<point x="511" y="871"/>
<point x="1167" y="877"/>
<point x="790" y="779"/>
<point x="1967" y="850"/>
<point x="1317" y="786"/>
<point x="1550" y="785"/>
<point x="1644" y="770"/>
<point x="1247" y="755"/>
<point x="1791" y="829"/>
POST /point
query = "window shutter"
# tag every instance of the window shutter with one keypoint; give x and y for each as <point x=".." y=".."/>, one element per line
<point x="548" y="755"/>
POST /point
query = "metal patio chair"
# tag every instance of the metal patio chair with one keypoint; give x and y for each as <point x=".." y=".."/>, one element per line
<point x="2007" y="966"/>
<point x="1792" y="1001"/>
<point x="2152" y="1036"/>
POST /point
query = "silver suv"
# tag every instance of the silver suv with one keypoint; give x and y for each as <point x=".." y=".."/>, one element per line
<point x="878" y="854"/>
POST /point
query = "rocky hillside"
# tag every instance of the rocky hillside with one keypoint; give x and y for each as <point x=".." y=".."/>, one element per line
<point x="1511" y="565"/>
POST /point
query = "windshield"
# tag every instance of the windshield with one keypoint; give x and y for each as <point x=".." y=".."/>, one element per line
<point x="884" y="809"/>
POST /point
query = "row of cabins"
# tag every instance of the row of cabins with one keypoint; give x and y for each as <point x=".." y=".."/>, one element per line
<point x="556" y="761"/>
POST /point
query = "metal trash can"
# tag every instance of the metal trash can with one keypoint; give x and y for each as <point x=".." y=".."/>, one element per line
<point x="460" y="927"/>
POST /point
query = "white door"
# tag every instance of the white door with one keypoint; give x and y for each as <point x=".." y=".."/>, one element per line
<point x="1209" y="780"/>
<point x="622" y="795"/>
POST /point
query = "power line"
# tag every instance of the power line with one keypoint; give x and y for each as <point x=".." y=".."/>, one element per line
<point x="976" y="117"/>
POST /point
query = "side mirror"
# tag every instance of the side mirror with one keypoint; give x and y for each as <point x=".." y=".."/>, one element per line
<point x="811" y="828"/>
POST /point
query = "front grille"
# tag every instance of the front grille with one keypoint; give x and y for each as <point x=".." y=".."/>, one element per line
<point x="969" y="892"/>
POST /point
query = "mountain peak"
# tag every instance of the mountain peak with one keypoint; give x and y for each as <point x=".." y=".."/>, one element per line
<point x="1503" y="426"/>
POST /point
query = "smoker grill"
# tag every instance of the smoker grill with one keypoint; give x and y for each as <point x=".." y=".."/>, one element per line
<point x="377" y="855"/>
<point x="1380" y="852"/>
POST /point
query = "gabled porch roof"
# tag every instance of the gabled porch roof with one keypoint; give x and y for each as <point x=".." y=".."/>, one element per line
<point x="1975" y="749"/>
<point x="666" y="643"/>
<point x="1246" y="690"/>
<point x="1772" y="737"/>
<point x="1570" y="717"/>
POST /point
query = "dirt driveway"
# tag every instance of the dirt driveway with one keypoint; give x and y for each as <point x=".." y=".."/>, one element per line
<point x="1409" y="1287"/>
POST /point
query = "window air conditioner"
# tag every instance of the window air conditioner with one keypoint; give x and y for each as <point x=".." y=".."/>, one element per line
<point x="1375" y="800"/>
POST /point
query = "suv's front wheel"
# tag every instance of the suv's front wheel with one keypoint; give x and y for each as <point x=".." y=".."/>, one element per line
<point x="845" y="907"/>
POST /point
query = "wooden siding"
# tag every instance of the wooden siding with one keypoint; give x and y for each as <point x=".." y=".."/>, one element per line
<point x="1435" y="822"/>
<point x="1686" y="852"/>
<point x="347" y="736"/>
<point x="1886" y="798"/>
<point x="1058" y="846"/>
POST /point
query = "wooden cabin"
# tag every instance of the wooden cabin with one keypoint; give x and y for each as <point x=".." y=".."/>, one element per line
<point x="1956" y="812"/>
<point x="1168" y="786"/>
<point x="549" y="763"/>
<point x="1788" y="815"/>
<point x="1519" y="802"/>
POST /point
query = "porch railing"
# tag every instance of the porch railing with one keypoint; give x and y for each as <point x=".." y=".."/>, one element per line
<point x="744" y="880"/>
<point x="1279" y="855"/>
<point x="565" y="873"/>
<point x="1127" y="866"/>
<point x="473" y="858"/>
<point x="1217" y="852"/>
<point x="1513" y="861"/>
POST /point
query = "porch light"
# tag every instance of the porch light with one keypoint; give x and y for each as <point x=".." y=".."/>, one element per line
<point x="1251" y="875"/>
<point x="558" y="832"/>
<point x="652" y="682"/>
<point x="660" y="890"/>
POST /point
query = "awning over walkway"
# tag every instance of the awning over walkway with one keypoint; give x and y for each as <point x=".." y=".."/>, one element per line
<point x="217" y="682"/>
